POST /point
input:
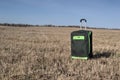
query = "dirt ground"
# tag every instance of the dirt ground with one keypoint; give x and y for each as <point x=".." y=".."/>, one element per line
<point x="44" y="53"/>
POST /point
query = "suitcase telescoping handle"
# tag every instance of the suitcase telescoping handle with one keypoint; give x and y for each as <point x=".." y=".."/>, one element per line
<point x="83" y="24"/>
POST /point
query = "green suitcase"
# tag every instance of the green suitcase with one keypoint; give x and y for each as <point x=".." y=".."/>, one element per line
<point x="81" y="44"/>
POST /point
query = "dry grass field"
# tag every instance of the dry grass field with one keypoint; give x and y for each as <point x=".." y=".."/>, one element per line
<point x="43" y="53"/>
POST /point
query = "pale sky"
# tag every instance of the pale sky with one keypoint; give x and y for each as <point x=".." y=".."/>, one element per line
<point x="99" y="13"/>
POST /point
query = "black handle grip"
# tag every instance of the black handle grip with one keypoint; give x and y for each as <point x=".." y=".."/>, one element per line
<point x="83" y="20"/>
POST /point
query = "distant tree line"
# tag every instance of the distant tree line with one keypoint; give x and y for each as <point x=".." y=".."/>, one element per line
<point x="49" y="25"/>
<point x="15" y="25"/>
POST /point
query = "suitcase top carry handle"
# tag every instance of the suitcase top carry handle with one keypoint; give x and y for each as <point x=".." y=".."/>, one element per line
<point x="81" y="23"/>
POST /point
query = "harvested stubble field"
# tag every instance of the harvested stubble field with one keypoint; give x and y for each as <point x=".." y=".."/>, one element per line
<point x="43" y="53"/>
